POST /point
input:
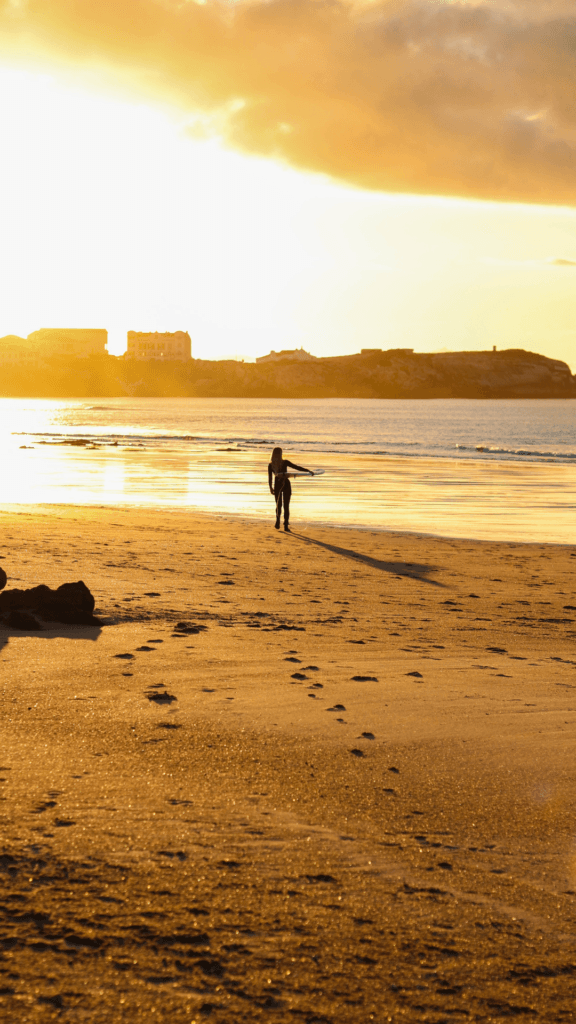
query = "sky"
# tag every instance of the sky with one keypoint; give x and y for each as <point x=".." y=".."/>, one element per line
<point x="267" y="175"/>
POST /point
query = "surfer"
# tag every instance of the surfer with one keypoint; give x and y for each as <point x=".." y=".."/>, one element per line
<point x="282" y="490"/>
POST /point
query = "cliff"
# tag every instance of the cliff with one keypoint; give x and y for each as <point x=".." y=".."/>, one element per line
<point x="511" y="373"/>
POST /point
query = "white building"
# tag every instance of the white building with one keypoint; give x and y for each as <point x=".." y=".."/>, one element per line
<point x="160" y="346"/>
<point x="16" y="351"/>
<point x="72" y="342"/>
<point x="286" y="353"/>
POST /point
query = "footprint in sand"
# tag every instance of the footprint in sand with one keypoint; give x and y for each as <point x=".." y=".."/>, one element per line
<point x="317" y="686"/>
<point x="161" y="698"/>
<point x="298" y="675"/>
<point x="311" y="668"/>
<point x="45" y="806"/>
<point x="337" y="707"/>
<point x="417" y="675"/>
<point x="128" y="656"/>
<point x="144" y="648"/>
<point x="357" y="753"/>
<point x="364" y="679"/>
<point x="367" y="736"/>
<point x="296" y="660"/>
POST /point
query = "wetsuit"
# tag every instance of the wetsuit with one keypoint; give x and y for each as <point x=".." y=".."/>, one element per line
<point x="283" y="488"/>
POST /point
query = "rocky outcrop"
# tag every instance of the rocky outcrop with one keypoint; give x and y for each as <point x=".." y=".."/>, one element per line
<point x="396" y="373"/>
<point x="392" y="373"/>
<point x="71" y="603"/>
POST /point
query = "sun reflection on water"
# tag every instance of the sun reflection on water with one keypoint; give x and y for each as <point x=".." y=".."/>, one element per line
<point x="454" y="497"/>
<point x="514" y="502"/>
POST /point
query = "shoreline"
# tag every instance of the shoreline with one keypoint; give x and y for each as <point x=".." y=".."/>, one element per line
<point x="254" y="519"/>
<point x="438" y="494"/>
<point x="344" y="786"/>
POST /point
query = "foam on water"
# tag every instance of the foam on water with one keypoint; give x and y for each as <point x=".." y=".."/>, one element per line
<point x="533" y="430"/>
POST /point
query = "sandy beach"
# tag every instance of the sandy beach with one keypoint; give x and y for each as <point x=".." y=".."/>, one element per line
<point x="339" y="788"/>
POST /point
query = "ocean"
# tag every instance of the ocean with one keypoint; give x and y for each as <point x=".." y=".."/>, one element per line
<point x="482" y="469"/>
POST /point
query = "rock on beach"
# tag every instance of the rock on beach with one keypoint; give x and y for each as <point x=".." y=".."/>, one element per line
<point x="70" y="603"/>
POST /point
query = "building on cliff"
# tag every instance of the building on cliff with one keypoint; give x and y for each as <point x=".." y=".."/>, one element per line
<point x="75" y="343"/>
<point x="165" y="347"/>
<point x="286" y="353"/>
<point x="16" y="351"/>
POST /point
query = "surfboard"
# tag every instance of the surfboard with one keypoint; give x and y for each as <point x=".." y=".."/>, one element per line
<point x="315" y="472"/>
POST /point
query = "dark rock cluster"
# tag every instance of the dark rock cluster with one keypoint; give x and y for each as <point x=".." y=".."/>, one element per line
<point x="71" y="603"/>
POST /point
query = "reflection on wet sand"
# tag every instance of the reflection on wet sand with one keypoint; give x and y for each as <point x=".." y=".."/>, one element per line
<point x="509" y="501"/>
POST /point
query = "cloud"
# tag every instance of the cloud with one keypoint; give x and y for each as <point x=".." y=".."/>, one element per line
<point x="562" y="263"/>
<point x="445" y="97"/>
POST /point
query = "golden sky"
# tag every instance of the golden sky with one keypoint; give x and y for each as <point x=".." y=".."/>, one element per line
<point x="270" y="174"/>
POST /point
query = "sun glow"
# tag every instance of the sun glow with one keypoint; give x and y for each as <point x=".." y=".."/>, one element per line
<point x="115" y="214"/>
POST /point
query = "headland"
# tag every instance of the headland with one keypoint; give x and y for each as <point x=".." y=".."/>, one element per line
<point x="372" y="373"/>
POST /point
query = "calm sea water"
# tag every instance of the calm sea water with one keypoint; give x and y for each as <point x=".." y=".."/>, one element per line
<point x="503" y="469"/>
<point x="526" y="431"/>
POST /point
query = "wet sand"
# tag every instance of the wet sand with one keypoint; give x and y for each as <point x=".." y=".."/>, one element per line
<point x="465" y="497"/>
<point x="343" y="791"/>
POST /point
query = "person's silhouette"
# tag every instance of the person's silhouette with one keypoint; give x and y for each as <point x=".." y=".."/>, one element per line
<point x="282" y="489"/>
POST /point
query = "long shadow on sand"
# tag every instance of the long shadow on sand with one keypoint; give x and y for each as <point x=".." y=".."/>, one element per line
<point x="412" y="570"/>
<point x="50" y="633"/>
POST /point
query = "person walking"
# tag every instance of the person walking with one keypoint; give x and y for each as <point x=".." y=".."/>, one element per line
<point x="282" y="489"/>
